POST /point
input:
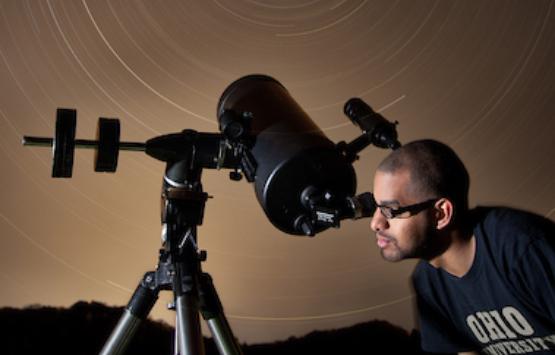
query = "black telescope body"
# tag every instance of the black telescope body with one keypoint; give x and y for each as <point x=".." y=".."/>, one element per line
<point x="295" y="161"/>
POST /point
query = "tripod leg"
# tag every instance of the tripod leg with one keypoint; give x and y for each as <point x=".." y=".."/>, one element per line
<point x="177" y="336"/>
<point x="185" y="289"/>
<point x="213" y="312"/>
<point x="188" y="333"/>
<point x="137" y="310"/>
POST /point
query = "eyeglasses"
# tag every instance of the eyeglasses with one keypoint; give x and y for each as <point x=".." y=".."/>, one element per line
<point x="406" y="211"/>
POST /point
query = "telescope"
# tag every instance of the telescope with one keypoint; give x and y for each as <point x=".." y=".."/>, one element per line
<point x="303" y="181"/>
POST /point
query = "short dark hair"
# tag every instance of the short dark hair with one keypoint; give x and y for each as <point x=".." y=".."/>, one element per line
<point x="435" y="170"/>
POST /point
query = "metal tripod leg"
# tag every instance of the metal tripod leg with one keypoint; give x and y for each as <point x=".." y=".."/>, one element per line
<point x="137" y="310"/>
<point x="213" y="312"/>
<point x="188" y="333"/>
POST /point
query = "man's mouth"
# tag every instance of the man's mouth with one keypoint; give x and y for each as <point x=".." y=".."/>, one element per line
<point x="383" y="240"/>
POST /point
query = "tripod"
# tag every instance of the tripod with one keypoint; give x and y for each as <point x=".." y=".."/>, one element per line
<point x="179" y="270"/>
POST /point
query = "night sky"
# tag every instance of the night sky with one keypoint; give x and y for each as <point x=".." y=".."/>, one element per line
<point x="478" y="75"/>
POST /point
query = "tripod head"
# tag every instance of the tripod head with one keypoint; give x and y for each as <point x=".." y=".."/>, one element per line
<point x="304" y="182"/>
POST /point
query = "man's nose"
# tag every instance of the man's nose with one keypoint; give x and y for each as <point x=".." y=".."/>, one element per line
<point x="378" y="222"/>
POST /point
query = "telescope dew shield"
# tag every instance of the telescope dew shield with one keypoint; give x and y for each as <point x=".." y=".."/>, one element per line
<point x="291" y="152"/>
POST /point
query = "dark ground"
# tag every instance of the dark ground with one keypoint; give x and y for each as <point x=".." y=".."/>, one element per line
<point x="84" y="327"/>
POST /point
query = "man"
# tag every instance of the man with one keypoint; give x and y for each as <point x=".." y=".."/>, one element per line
<point x="486" y="279"/>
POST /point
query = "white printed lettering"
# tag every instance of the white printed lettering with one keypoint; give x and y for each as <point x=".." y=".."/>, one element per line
<point x="526" y="348"/>
<point x="517" y="321"/>
<point x="541" y="343"/>
<point x="534" y="346"/>
<point x="502" y="324"/>
<point x="493" y="329"/>
<point x="477" y="329"/>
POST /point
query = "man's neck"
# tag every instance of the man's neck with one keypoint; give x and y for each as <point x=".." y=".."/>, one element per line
<point x="457" y="259"/>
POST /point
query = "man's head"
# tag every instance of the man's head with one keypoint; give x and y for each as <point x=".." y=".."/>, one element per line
<point x="422" y="190"/>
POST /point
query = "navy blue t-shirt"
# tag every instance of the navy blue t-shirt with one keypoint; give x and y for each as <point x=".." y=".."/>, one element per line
<point x="505" y="303"/>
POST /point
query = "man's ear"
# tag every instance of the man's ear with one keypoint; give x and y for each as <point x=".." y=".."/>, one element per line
<point x="444" y="213"/>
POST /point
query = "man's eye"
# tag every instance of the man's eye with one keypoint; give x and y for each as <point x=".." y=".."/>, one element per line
<point x="392" y="207"/>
